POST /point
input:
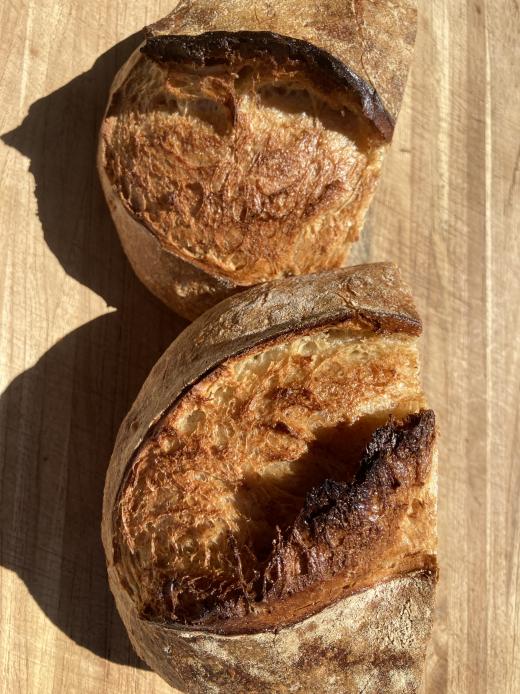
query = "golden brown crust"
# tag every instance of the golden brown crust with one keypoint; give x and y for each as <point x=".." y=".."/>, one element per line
<point x="370" y="294"/>
<point x="367" y="44"/>
<point x="347" y="537"/>
<point x="372" y="640"/>
<point x="246" y="152"/>
<point x="221" y="162"/>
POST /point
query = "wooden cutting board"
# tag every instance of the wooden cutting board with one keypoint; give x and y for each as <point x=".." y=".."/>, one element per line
<point x="79" y="334"/>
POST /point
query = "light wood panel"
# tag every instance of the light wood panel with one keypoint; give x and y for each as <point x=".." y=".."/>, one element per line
<point x="78" y="333"/>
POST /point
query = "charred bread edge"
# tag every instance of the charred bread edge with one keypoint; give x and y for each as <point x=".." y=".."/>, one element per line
<point x="216" y="46"/>
<point x="352" y="293"/>
<point x="429" y="570"/>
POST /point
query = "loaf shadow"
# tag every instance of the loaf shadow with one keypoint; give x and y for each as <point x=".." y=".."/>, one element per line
<point x="59" y="137"/>
<point x="58" y="419"/>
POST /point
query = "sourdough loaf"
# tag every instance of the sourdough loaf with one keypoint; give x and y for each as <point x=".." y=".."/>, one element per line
<point x="270" y="507"/>
<point x="243" y="140"/>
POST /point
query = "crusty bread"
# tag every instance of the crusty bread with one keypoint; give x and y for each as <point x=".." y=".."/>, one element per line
<point x="270" y="507"/>
<point x="243" y="141"/>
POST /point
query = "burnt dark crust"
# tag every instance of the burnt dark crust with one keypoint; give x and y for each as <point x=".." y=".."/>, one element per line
<point x="386" y="466"/>
<point x="216" y="47"/>
<point x="334" y="547"/>
<point x="343" y="526"/>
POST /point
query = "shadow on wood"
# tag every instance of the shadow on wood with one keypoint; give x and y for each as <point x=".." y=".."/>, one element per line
<point x="59" y="418"/>
<point x="59" y="136"/>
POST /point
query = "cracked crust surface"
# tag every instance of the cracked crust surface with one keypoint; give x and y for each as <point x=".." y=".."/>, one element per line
<point x="244" y="143"/>
<point x="260" y="424"/>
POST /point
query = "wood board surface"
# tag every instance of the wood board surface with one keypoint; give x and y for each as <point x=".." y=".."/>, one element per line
<point x="78" y="334"/>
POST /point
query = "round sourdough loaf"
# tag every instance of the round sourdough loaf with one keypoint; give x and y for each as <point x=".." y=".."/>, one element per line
<point x="269" y="515"/>
<point x="243" y="140"/>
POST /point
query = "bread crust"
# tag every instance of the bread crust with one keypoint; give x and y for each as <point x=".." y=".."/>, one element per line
<point x="356" y="54"/>
<point x="366" y="45"/>
<point x="218" y="46"/>
<point x="369" y="641"/>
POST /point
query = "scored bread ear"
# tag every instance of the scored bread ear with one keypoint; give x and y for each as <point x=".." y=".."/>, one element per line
<point x="367" y="44"/>
<point x="243" y="141"/>
<point x="272" y="494"/>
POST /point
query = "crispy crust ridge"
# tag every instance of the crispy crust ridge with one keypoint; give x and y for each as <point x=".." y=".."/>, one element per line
<point x="366" y="511"/>
<point x="374" y="39"/>
<point x="213" y="47"/>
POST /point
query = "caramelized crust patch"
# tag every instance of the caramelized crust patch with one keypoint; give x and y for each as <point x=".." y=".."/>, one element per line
<point x="248" y="497"/>
<point x="365" y="512"/>
<point x="248" y="168"/>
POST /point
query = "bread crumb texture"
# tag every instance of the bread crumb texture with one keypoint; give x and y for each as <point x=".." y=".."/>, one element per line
<point x="247" y="168"/>
<point x="288" y="477"/>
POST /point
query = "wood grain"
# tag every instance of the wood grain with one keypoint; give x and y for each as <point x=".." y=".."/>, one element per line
<point x="78" y="334"/>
